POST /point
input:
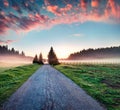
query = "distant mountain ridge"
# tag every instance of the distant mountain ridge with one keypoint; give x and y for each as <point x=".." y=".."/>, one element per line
<point x="99" y="53"/>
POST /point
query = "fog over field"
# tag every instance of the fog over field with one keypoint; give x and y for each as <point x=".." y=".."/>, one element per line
<point x="13" y="61"/>
<point x="94" y="61"/>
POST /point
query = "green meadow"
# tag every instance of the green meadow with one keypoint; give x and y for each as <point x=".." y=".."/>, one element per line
<point x="102" y="82"/>
<point x="12" y="79"/>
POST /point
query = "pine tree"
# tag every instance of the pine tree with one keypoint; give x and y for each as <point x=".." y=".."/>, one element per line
<point x="52" y="58"/>
<point x="12" y="51"/>
<point x="40" y="61"/>
<point x="22" y="53"/>
<point x="35" y="60"/>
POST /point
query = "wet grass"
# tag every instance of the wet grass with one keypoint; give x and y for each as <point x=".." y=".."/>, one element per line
<point x="12" y="79"/>
<point x="2" y="69"/>
<point x="100" y="81"/>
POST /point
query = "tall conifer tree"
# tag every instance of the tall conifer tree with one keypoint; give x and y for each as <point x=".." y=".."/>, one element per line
<point x="35" y="60"/>
<point x="40" y="61"/>
<point x="52" y="58"/>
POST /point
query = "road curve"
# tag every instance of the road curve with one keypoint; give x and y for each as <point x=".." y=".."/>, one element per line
<point x="48" y="89"/>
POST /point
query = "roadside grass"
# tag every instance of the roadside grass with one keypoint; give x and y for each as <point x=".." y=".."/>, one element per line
<point x="102" y="82"/>
<point x="3" y="69"/>
<point x="12" y="79"/>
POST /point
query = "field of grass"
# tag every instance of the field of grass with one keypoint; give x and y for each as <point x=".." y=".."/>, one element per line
<point x="100" y="81"/>
<point x="12" y="79"/>
<point x="3" y="69"/>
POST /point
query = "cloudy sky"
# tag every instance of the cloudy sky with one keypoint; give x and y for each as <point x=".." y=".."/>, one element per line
<point x="68" y="25"/>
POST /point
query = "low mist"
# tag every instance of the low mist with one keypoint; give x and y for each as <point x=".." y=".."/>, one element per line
<point x="93" y="61"/>
<point x="8" y="61"/>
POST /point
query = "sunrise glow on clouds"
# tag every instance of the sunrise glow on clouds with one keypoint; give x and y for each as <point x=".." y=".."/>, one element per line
<point x="25" y="15"/>
<point x="72" y="24"/>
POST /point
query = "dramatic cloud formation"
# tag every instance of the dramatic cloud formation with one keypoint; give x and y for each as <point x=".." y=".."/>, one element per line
<point x="27" y="15"/>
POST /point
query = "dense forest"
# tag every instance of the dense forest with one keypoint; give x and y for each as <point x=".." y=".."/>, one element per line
<point x="100" y="53"/>
<point x="4" y="51"/>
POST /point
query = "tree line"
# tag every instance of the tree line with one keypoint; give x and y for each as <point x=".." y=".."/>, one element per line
<point x="52" y="58"/>
<point x="4" y="50"/>
<point x="109" y="52"/>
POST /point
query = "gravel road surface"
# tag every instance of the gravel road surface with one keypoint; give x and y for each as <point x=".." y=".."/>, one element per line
<point x="48" y="89"/>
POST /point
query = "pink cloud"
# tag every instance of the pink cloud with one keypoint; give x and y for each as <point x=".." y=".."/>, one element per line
<point x="9" y="41"/>
<point x="95" y="3"/>
<point x="112" y="11"/>
<point x="6" y="42"/>
<point x="62" y="15"/>
<point x="59" y="11"/>
<point x="54" y="10"/>
<point x="3" y="28"/>
<point x="83" y="5"/>
<point x="6" y="3"/>
<point x="68" y="7"/>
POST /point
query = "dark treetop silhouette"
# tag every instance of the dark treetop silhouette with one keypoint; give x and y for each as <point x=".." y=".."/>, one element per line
<point x="38" y="60"/>
<point x="35" y="60"/>
<point x="52" y="58"/>
<point x="4" y="50"/>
